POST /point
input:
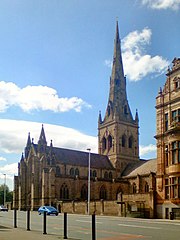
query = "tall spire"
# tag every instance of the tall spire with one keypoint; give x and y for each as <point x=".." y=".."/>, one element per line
<point x="118" y="103"/>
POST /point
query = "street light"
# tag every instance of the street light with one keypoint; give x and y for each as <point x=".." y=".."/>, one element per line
<point x="4" y="189"/>
<point x="89" y="180"/>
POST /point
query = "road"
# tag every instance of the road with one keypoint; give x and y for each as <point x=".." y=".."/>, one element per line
<point x="107" y="228"/>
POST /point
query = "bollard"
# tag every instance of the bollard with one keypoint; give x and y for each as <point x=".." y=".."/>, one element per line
<point x="44" y="223"/>
<point x="65" y="225"/>
<point x="15" y="218"/>
<point x="93" y="227"/>
<point x="28" y="220"/>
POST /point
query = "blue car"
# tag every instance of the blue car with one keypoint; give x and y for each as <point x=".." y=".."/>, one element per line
<point x="48" y="209"/>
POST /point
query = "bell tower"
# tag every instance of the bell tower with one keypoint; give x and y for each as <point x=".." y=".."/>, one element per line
<point x="118" y="135"/>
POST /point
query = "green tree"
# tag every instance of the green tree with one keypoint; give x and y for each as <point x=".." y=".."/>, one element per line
<point x="9" y="194"/>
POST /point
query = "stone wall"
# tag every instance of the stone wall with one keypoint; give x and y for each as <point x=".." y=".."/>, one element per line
<point x="130" y="206"/>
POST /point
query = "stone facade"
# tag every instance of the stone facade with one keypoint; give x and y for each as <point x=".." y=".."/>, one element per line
<point x="168" y="144"/>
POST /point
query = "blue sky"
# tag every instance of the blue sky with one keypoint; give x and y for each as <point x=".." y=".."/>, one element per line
<point x="55" y="65"/>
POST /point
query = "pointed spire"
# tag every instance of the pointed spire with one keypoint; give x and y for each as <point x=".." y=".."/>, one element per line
<point x="42" y="138"/>
<point x="136" y="116"/>
<point x="28" y="140"/>
<point x="117" y="69"/>
<point x="28" y="146"/>
<point x="160" y="91"/>
<point x="42" y="141"/>
<point x="22" y="158"/>
<point x="51" y="145"/>
<point x="118" y="106"/>
<point x="100" y="118"/>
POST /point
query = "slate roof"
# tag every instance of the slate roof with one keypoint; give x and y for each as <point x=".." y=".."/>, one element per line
<point x="140" y="168"/>
<point x="79" y="158"/>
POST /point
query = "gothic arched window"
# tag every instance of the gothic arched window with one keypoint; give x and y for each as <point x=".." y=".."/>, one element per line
<point x="109" y="142"/>
<point x="109" y="110"/>
<point x="125" y="110"/>
<point x="104" y="144"/>
<point x="64" y="192"/>
<point x="106" y="175"/>
<point x="124" y="140"/>
<point x="94" y="173"/>
<point x="146" y="187"/>
<point x="134" y="188"/>
<point x="102" y="193"/>
<point x="76" y="172"/>
<point x="130" y="142"/>
<point x="58" y="171"/>
<point x="110" y="175"/>
<point x="84" y="192"/>
<point x="72" y="172"/>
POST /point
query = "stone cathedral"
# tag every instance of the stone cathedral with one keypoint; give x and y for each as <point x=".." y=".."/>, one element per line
<point x="49" y="175"/>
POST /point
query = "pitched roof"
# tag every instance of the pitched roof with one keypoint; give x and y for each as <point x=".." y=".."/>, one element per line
<point x="140" y="168"/>
<point x="79" y="158"/>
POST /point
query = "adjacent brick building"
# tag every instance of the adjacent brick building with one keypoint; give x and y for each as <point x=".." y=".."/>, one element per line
<point x="168" y="144"/>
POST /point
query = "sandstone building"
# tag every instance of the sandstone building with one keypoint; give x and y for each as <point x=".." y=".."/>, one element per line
<point x="168" y="144"/>
<point x="52" y="175"/>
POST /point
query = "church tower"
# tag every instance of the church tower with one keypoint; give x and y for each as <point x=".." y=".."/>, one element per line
<point x="118" y="136"/>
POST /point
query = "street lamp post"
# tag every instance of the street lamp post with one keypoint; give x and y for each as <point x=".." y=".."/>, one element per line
<point x="4" y="189"/>
<point x="89" y="180"/>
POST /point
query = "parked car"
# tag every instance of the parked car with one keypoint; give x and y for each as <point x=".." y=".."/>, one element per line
<point x="3" y="208"/>
<point x="48" y="209"/>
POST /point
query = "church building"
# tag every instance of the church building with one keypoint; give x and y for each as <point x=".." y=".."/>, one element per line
<point x="48" y="175"/>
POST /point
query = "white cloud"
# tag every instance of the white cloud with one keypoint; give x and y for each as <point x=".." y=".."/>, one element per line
<point x="10" y="170"/>
<point x="147" y="149"/>
<point x="13" y="136"/>
<point x="137" y="64"/>
<point x="2" y="159"/>
<point x="162" y="4"/>
<point x="36" y="98"/>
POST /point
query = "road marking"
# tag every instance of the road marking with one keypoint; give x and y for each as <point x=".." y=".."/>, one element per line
<point x="137" y="226"/>
<point x="87" y="221"/>
<point x="87" y="233"/>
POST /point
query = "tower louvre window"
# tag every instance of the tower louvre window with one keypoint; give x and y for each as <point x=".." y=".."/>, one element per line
<point x="104" y="144"/>
<point x="109" y="111"/>
<point x="130" y="142"/>
<point x="109" y="142"/>
<point x="125" y="110"/>
<point x="124" y="141"/>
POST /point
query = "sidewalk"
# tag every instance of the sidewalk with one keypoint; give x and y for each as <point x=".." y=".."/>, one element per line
<point x="22" y="234"/>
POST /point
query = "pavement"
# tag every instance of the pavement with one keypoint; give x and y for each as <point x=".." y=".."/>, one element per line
<point x="7" y="233"/>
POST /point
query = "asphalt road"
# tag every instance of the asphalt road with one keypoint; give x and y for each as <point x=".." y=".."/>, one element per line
<point x="107" y="227"/>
